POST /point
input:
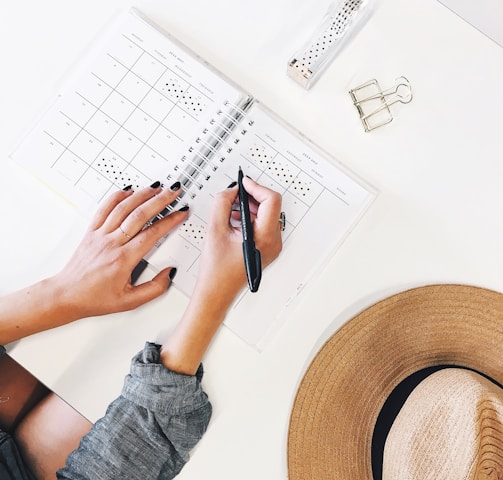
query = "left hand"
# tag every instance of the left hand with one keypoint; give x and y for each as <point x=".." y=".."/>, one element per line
<point x="97" y="279"/>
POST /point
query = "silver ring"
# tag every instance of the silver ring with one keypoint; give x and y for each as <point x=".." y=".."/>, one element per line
<point x="282" y="221"/>
<point x="124" y="233"/>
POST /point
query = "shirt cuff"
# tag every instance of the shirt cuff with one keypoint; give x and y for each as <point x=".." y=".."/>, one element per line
<point x="153" y="386"/>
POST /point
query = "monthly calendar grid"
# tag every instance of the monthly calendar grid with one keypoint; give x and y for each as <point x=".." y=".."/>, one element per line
<point x="122" y="157"/>
<point x="137" y="108"/>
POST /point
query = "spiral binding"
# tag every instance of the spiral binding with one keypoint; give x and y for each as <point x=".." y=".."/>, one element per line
<point x="203" y="152"/>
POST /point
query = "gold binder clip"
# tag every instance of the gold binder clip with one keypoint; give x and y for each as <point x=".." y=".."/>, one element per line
<point x="373" y="103"/>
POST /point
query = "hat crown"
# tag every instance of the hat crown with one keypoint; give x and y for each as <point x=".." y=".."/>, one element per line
<point x="450" y="427"/>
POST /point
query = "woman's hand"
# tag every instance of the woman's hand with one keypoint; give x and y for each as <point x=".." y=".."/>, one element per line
<point x="222" y="268"/>
<point x="222" y="272"/>
<point x="97" y="279"/>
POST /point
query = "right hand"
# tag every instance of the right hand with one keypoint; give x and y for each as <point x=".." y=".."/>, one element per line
<point x="221" y="272"/>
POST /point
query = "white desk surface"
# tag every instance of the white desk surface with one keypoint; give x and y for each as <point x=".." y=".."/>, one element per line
<point x="438" y="218"/>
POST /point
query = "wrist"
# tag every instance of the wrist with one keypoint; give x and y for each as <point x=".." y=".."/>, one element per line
<point x="207" y="308"/>
<point x="60" y="302"/>
<point x="218" y="295"/>
<point x="36" y="308"/>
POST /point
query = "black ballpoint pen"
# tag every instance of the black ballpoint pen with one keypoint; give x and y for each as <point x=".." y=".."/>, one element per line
<point x="251" y="255"/>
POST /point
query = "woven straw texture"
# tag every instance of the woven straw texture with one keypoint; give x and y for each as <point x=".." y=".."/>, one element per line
<point x="347" y="383"/>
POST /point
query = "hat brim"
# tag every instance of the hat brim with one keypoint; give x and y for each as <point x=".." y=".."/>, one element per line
<point x="347" y="383"/>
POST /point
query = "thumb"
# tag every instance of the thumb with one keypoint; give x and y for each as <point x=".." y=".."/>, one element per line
<point x="147" y="291"/>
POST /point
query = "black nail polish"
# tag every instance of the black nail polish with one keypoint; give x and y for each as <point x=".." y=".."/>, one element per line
<point x="129" y="187"/>
<point x="233" y="184"/>
<point x="184" y="208"/>
<point x="156" y="184"/>
<point x="176" y="186"/>
<point x="172" y="273"/>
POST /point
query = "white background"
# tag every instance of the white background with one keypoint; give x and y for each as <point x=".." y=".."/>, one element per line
<point x="485" y="15"/>
<point x="438" y="167"/>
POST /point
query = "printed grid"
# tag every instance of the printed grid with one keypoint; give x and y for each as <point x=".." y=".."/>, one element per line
<point x="126" y="123"/>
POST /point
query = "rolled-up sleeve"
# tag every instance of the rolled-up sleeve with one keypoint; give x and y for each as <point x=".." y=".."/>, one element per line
<point x="149" y="430"/>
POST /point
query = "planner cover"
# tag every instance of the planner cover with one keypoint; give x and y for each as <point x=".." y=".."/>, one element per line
<point x="143" y="107"/>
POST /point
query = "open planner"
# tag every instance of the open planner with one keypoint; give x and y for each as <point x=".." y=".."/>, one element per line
<point x="143" y="108"/>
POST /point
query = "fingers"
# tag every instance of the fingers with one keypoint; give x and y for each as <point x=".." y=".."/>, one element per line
<point x="107" y="207"/>
<point x="124" y="215"/>
<point x="144" y="241"/>
<point x="146" y="210"/>
<point x="269" y="207"/>
<point x="222" y="207"/>
<point x="130" y="215"/>
<point x="267" y="226"/>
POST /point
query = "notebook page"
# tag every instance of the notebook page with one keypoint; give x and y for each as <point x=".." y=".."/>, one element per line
<point x="322" y="202"/>
<point x="127" y="119"/>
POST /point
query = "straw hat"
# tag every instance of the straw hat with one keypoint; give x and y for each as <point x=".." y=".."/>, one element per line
<point x="378" y="390"/>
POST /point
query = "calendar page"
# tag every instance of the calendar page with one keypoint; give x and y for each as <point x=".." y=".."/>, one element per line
<point x="128" y="119"/>
<point x="145" y="108"/>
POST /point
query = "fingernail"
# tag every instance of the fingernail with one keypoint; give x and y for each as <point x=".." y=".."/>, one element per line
<point x="176" y="186"/>
<point x="233" y="184"/>
<point x="129" y="187"/>
<point x="156" y="184"/>
<point x="184" y="208"/>
<point x="172" y="273"/>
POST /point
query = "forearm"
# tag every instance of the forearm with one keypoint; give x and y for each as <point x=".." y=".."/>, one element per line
<point x="33" y="309"/>
<point x="183" y="351"/>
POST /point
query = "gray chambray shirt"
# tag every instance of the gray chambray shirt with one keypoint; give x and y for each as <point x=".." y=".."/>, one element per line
<point x="146" y="433"/>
